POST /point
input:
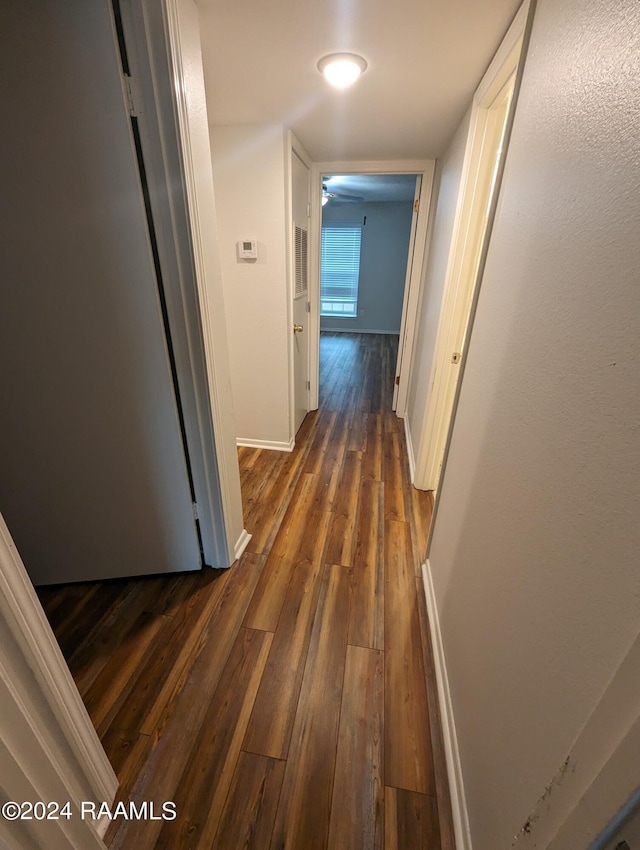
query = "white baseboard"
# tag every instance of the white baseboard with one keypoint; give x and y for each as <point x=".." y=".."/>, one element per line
<point x="266" y="444"/>
<point x="241" y="543"/>
<point x="412" y="460"/>
<point x="454" y="768"/>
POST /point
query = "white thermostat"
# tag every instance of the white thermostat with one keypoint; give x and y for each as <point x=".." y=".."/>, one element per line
<point x="247" y="249"/>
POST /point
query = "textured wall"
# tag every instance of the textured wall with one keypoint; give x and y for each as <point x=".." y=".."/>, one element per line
<point x="535" y="550"/>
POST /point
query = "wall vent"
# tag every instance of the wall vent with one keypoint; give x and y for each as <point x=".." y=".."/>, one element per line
<point x="301" y="262"/>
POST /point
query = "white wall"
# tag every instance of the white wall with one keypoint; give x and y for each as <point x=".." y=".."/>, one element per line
<point x="249" y="180"/>
<point x="383" y="263"/>
<point x="446" y="187"/>
<point x="535" y="550"/>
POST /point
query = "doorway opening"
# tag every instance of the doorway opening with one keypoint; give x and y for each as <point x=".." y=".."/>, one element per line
<point x="368" y="244"/>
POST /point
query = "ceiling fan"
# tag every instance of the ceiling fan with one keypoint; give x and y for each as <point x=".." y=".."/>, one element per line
<point x="337" y="196"/>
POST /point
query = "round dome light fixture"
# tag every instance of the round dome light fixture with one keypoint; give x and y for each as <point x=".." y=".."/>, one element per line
<point x="342" y="69"/>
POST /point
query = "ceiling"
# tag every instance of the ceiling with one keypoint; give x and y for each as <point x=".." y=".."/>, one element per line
<point x="425" y="58"/>
<point x="371" y="187"/>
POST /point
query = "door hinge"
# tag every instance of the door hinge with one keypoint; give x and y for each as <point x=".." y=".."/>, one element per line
<point x="398" y="376"/>
<point x="129" y="96"/>
<point x="308" y="385"/>
<point x="416" y="205"/>
<point x="308" y="306"/>
<point x="308" y="210"/>
<point x="194" y="508"/>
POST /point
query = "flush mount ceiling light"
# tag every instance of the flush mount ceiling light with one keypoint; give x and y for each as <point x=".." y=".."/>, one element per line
<point x="342" y="69"/>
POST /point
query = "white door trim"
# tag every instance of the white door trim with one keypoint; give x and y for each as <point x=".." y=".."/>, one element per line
<point x="412" y="291"/>
<point x="182" y="29"/>
<point x="423" y="168"/>
<point x="456" y="303"/>
<point x="51" y="751"/>
<point x="294" y="147"/>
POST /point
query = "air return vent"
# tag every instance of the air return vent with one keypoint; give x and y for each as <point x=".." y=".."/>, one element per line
<point x="301" y="261"/>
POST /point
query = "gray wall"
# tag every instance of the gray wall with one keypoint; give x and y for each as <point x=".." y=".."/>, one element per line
<point x="383" y="263"/>
<point x="535" y="551"/>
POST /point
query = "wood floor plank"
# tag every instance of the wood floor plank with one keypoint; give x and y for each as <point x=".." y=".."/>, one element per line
<point x="411" y="821"/>
<point x="300" y="540"/>
<point x="392" y="472"/>
<point x="269" y="731"/>
<point x="174" y="592"/>
<point x="203" y="787"/>
<point x="60" y="602"/>
<point x="127" y="752"/>
<point x="372" y="457"/>
<point x="330" y="465"/>
<point x="321" y="439"/>
<point x="408" y="754"/>
<point x="373" y="399"/>
<point x="108" y="692"/>
<point x="303" y="814"/>
<point x="208" y="650"/>
<point x="366" y="618"/>
<point x="250" y="810"/>
<point x="182" y="717"/>
<point x="357" y="808"/>
<point x="357" y="432"/>
<point x="172" y="652"/>
<point x="343" y="536"/>
<point x="264" y="520"/>
<point x="101" y="639"/>
<point x="79" y="620"/>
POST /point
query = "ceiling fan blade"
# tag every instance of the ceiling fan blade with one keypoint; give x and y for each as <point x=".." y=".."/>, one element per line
<point x="342" y="197"/>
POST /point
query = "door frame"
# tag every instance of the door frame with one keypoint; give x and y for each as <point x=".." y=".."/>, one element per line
<point x="199" y="241"/>
<point x="50" y="749"/>
<point x="461" y="285"/>
<point x="294" y="148"/>
<point x="398" y="400"/>
<point x="414" y="280"/>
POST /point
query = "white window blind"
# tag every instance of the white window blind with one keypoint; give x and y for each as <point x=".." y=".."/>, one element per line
<point x="340" y="269"/>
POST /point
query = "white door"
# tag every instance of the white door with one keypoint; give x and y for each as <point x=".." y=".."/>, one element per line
<point x="407" y="322"/>
<point x="300" y="183"/>
<point x="475" y="200"/>
<point x="94" y="479"/>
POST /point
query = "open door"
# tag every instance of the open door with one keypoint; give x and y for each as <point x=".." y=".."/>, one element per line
<point x="300" y="186"/>
<point x="95" y="482"/>
<point x="485" y="156"/>
<point x="407" y="323"/>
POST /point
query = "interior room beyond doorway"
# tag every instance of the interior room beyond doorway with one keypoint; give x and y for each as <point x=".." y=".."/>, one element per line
<point x="366" y="229"/>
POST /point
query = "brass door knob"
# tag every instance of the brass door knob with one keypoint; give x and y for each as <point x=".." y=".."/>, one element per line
<point x="297" y="329"/>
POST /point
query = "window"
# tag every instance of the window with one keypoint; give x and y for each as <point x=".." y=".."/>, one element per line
<point x="340" y="269"/>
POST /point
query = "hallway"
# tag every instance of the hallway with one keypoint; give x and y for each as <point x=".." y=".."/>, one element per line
<point x="282" y="703"/>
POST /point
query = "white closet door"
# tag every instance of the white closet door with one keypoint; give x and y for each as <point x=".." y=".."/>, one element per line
<point x="93" y="477"/>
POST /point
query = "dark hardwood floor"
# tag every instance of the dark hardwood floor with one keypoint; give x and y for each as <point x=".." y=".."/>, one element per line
<point x="288" y="702"/>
